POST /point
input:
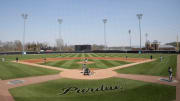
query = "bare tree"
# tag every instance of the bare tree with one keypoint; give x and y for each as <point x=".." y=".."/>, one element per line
<point x="97" y="47"/>
<point x="18" y="45"/>
<point x="1" y="46"/>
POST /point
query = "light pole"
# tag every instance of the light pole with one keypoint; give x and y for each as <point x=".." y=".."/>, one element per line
<point x="177" y="44"/>
<point x="60" y="36"/>
<point x="130" y="37"/>
<point x="105" y="43"/>
<point x="139" y="18"/>
<point x="24" y="16"/>
<point x="146" y="37"/>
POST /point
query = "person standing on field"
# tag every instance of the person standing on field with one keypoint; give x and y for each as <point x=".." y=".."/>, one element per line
<point x="45" y="60"/>
<point x="161" y="58"/>
<point x="151" y="57"/>
<point x="83" y="67"/>
<point x="3" y="59"/>
<point x="170" y="74"/>
<point x="17" y="59"/>
<point x="85" y="60"/>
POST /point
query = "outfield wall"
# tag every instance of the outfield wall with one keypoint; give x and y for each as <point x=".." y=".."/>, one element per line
<point x="143" y="51"/>
<point x="95" y="51"/>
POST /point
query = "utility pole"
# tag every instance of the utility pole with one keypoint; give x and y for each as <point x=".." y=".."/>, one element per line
<point x="177" y="44"/>
<point x="24" y="16"/>
<point x="139" y="18"/>
<point x="60" y="36"/>
<point x="105" y="43"/>
<point x="130" y="37"/>
<point x="146" y="37"/>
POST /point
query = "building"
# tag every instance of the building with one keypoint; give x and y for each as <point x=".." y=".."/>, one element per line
<point x="155" y="45"/>
<point x="166" y="47"/>
<point x="148" y="45"/>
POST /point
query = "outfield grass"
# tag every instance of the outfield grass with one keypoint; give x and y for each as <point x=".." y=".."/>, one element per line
<point x="9" y="70"/>
<point x="132" y="91"/>
<point x="156" y="68"/>
<point x="73" y="64"/>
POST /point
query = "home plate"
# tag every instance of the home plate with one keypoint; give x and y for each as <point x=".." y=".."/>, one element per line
<point x="14" y="82"/>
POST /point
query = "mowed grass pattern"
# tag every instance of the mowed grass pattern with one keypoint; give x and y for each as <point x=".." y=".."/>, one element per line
<point x="131" y="91"/>
<point x="73" y="64"/>
<point x="9" y="70"/>
<point x="156" y="68"/>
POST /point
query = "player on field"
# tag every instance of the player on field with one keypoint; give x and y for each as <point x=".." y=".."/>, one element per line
<point x="85" y="60"/>
<point x="45" y="60"/>
<point x="170" y="73"/>
<point x="151" y="57"/>
<point x="17" y="59"/>
<point x="3" y="59"/>
<point x="83" y="67"/>
<point x="161" y="58"/>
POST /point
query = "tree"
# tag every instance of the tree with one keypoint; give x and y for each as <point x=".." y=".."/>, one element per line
<point x="97" y="47"/>
<point x="18" y="45"/>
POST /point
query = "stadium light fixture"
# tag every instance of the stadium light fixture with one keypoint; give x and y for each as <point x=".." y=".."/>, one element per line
<point x="24" y="16"/>
<point x="139" y="16"/>
<point x="105" y="43"/>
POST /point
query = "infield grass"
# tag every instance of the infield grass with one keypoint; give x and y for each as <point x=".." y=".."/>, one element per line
<point x="73" y="64"/>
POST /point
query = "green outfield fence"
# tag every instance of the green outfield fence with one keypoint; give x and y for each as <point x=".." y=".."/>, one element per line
<point x="94" y="51"/>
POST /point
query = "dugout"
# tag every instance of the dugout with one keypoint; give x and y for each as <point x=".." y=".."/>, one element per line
<point x="82" y="48"/>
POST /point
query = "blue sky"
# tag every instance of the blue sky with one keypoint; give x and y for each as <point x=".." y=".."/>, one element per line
<point x="82" y="20"/>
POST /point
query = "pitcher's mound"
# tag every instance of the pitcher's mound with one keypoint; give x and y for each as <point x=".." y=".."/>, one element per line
<point x="96" y="74"/>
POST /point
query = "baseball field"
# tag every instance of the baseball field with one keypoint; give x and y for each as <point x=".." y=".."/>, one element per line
<point x="114" y="77"/>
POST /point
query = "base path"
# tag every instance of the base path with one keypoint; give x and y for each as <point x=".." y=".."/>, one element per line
<point x="131" y="64"/>
<point x="43" y="66"/>
<point x="4" y="93"/>
<point x="147" y="78"/>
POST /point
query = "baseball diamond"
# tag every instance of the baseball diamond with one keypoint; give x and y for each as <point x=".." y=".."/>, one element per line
<point x="89" y="50"/>
<point x="54" y="79"/>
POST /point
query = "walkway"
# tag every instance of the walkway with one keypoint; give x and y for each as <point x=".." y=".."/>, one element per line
<point x="146" y="78"/>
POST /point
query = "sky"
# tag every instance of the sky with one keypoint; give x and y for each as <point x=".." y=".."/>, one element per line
<point x="82" y="21"/>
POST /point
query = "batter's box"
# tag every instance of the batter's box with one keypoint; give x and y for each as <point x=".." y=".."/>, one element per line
<point x="167" y="80"/>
